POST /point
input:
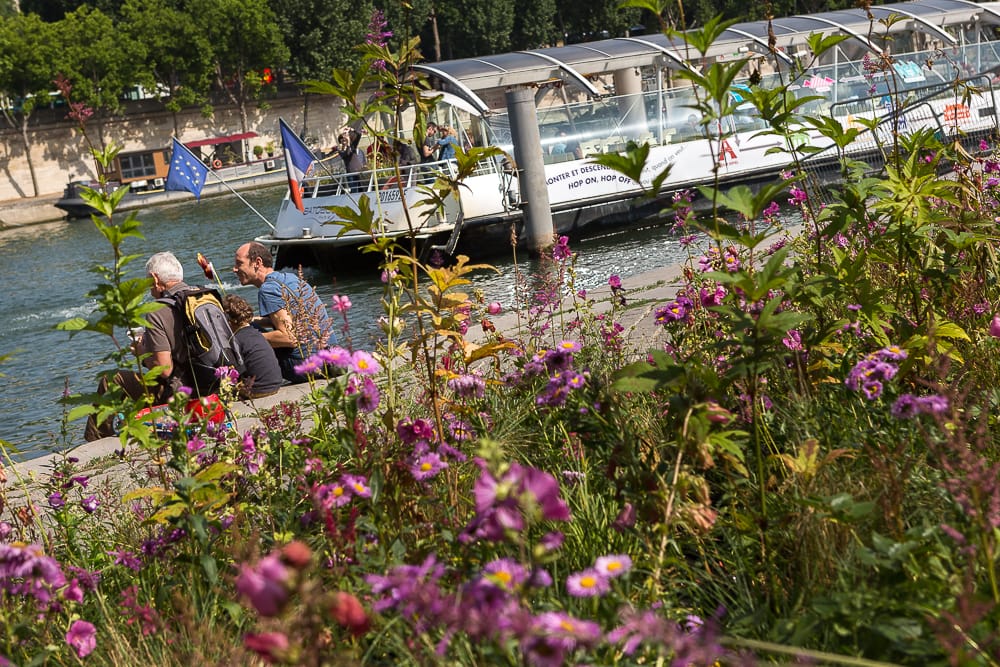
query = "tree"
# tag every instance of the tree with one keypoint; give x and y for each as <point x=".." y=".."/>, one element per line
<point x="588" y="20"/>
<point x="26" y="74"/>
<point x="321" y="35"/>
<point x="245" y="40"/>
<point x="97" y="61"/>
<point x="178" y="66"/>
<point x="475" y="27"/>
<point x="534" y="24"/>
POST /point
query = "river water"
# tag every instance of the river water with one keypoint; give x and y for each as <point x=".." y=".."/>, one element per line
<point x="46" y="273"/>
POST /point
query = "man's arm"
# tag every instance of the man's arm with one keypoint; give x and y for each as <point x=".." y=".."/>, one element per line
<point x="281" y="333"/>
<point x="161" y="359"/>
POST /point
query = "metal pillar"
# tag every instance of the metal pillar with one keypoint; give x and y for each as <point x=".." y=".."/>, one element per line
<point x="531" y="167"/>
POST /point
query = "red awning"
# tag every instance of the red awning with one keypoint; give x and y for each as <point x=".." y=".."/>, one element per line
<point x="221" y="140"/>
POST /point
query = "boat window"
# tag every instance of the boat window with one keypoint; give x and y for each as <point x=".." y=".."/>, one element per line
<point x="137" y="165"/>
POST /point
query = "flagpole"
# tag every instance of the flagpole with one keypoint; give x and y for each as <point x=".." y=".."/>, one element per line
<point x="248" y="204"/>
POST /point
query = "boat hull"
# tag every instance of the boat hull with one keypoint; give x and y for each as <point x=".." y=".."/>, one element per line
<point x="249" y="177"/>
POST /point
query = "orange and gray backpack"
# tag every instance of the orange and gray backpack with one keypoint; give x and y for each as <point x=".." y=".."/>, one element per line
<point x="209" y="338"/>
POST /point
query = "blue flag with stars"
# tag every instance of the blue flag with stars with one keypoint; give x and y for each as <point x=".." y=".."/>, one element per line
<point x="187" y="171"/>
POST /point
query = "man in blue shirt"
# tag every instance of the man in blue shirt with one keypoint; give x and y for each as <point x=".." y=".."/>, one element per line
<point x="293" y="317"/>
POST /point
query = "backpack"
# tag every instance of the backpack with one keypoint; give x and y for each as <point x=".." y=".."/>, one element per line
<point x="206" y="333"/>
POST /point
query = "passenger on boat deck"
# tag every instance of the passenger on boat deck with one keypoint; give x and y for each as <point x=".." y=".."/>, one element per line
<point x="262" y="372"/>
<point x="292" y="316"/>
<point x="566" y="145"/>
<point x="406" y="155"/>
<point x="447" y="143"/>
<point x="354" y="160"/>
<point x="428" y="149"/>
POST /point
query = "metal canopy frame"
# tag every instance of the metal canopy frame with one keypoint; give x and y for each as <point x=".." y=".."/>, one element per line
<point x="579" y="62"/>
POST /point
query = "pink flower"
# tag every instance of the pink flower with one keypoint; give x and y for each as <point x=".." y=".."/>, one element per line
<point x="586" y="584"/>
<point x="341" y="304"/>
<point x="264" y="585"/>
<point x="82" y="637"/>
<point x="494" y="308"/>
<point x="364" y="363"/>
<point x="270" y="646"/>
<point x="995" y="326"/>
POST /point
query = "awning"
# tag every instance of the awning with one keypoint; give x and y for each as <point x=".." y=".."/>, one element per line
<point x="220" y="140"/>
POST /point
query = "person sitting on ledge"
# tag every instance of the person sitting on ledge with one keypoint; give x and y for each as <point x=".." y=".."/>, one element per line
<point x="293" y="317"/>
<point x="262" y="373"/>
<point x="163" y="342"/>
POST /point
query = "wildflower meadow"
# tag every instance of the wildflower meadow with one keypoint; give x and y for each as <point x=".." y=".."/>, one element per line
<point x="796" y="463"/>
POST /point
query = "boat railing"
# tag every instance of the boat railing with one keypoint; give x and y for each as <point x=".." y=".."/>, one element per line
<point x="336" y="183"/>
<point x="874" y="146"/>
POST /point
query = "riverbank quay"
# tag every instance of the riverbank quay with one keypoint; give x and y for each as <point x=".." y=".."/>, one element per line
<point x="16" y="213"/>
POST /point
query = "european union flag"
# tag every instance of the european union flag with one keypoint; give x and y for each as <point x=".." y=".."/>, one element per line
<point x="187" y="171"/>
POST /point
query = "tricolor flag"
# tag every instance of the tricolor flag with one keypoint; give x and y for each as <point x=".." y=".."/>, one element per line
<point x="187" y="171"/>
<point x="298" y="161"/>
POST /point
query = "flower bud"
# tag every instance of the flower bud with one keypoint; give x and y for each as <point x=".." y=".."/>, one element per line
<point x="347" y="611"/>
<point x="995" y="326"/>
<point x="296" y="554"/>
<point x="494" y="308"/>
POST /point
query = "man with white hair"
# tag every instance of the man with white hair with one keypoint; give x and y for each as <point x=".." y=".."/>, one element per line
<point x="163" y="342"/>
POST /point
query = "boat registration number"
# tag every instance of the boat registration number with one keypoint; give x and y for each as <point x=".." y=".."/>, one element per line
<point x="392" y="194"/>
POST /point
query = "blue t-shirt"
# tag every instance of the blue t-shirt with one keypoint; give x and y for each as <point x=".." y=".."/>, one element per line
<point x="447" y="145"/>
<point x="310" y="321"/>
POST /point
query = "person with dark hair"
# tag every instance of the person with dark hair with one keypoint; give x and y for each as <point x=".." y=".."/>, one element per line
<point x="262" y="372"/>
<point x="428" y="150"/>
<point x="293" y="317"/>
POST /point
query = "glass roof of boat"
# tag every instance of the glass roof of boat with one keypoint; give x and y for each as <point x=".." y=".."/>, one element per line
<point x="580" y="63"/>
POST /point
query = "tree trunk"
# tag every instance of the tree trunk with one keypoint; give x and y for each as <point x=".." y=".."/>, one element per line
<point x="27" y="154"/>
<point x="437" y="37"/>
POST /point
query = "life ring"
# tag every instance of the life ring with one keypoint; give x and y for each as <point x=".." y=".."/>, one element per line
<point x="390" y="182"/>
<point x="216" y="164"/>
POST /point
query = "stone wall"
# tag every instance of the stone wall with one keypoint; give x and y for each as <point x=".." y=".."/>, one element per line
<point x="60" y="154"/>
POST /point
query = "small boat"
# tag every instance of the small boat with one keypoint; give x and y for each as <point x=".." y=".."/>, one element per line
<point x="144" y="173"/>
<point x="931" y="41"/>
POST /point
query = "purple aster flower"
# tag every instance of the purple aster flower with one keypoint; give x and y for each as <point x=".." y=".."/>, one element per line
<point x="586" y="584"/>
<point x="331" y="495"/>
<point x="357" y="484"/>
<point x="614" y="565"/>
<point x="335" y="356"/>
<point x="891" y="353"/>
<point x="427" y="466"/>
<point x="310" y="366"/>
<point x="505" y="573"/>
<point x="461" y="430"/>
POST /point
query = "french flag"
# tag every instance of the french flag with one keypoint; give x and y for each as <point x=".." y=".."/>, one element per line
<point x="298" y="161"/>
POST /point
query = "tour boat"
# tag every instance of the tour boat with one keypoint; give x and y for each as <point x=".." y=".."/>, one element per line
<point x="144" y="173"/>
<point x="934" y="44"/>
